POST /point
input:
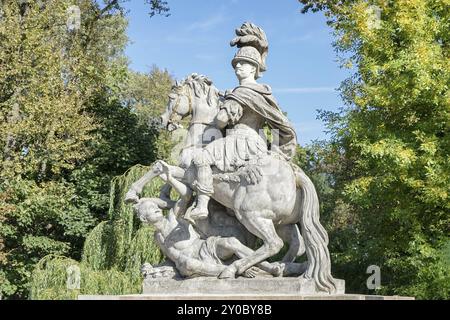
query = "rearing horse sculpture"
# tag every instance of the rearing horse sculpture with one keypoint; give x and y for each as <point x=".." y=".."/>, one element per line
<point x="270" y="204"/>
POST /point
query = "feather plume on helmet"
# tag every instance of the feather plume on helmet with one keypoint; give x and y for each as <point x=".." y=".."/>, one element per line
<point x="253" y="46"/>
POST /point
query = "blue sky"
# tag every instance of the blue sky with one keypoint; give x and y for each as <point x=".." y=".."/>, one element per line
<point x="302" y="67"/>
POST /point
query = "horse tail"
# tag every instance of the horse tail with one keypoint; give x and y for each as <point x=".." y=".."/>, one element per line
<point x="314" y="235"/>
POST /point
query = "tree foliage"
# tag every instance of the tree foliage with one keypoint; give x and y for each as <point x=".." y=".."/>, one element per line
<point x="391" y="143"/>
<point x="113" y="252"/>
<point x="65" y="128"/>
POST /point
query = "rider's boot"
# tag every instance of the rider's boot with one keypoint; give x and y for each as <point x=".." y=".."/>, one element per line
<point x="204" y="185"/>
<point x="201" y="209"/>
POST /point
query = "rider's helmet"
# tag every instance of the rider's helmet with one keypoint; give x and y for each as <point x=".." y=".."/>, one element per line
<point x="251" y="55"/>
<point x="253" y="47"/>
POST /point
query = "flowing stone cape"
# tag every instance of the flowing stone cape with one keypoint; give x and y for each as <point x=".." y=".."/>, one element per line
<point x="259" y="98"/>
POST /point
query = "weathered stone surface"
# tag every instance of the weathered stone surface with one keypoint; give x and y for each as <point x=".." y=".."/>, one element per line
<point x="241" y="286"/>
<point x="245" y="297"/>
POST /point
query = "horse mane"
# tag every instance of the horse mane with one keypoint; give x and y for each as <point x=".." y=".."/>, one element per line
<point x="202" y="86"/>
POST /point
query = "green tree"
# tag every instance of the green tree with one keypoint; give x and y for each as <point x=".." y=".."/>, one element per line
<point x="128" y="133"/>
<point x="113" y="252"/>
<point x="116" y="248"/>
<point x="394" y="139"/>
<point x="146" y="95"/>
<point x="44" y="134"/>
<point x="65" y="131"/>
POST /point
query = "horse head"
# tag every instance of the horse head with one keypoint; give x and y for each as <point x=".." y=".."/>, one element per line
<point x="194" y="92"/>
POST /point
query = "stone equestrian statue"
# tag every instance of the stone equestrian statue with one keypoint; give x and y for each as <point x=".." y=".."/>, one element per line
<point x="241" y="175"/>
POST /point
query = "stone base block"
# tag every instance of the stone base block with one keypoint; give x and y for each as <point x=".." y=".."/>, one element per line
<point x="239" y="289"/>
<point x="242" y="286"/>
<point x="244" y="297"/>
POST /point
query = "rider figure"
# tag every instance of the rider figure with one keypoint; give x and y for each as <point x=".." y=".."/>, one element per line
<point x="244" y="113"/>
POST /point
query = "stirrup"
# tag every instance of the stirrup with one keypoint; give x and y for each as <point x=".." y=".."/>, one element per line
<point x="191" y="219"/>
<point x="198" y="215"/>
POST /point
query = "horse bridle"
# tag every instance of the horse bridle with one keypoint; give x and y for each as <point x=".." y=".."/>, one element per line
<point x="177" y="104"/>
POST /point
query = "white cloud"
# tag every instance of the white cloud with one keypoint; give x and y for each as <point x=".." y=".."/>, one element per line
<point x="298" y="39"/>
<point x="310" y="126"/>
<point x="306" y="90"/>
<point x="205" y="57"/>
<point x="185" y="39"/>
<point x="207" y="24"/>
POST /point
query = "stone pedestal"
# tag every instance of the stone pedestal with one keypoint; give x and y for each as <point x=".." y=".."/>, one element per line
<point x="241" y="286"/>
<point x="244" y="297"/>
<point x="239" y="289"/>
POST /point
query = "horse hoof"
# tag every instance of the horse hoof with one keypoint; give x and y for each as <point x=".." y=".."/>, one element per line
<point x="277" y="270"/>
<point x="228" y="273"/>
<point x="198" y="214"/>
<point x="189" y="220"/>
<point x="131" y="197"/>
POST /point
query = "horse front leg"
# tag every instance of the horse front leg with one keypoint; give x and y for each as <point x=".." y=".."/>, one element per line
<point x="132" y="196"/>
<point x="261" y="226"/>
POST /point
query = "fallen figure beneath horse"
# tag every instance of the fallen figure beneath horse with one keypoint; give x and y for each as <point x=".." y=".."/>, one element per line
<point x="193" y="256"/>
